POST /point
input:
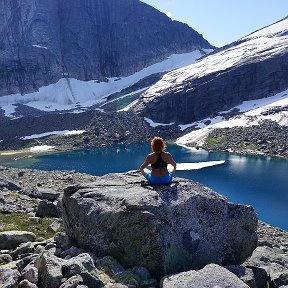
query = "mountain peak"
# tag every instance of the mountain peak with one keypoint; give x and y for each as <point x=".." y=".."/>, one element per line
<point x="43" y="41"/>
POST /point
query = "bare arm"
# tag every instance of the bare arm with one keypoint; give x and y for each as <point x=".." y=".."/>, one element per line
<point x="171" y="161"/>
<point x="145" y="164"/>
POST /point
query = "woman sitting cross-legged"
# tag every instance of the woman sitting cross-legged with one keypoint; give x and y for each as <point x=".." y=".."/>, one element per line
<point x="159" y="160"/>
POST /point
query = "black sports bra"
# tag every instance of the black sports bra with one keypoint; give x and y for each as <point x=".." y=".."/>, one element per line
<point x="160" y="163"/>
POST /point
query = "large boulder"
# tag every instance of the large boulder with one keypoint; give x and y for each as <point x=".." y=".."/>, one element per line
<point x="166" y="229"/>
<point x="210" y="276"/>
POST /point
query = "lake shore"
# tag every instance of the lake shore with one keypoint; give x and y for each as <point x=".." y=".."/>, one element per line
<point x="23" y="191"/>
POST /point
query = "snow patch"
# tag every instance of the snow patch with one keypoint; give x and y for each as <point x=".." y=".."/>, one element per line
<point x="155" y="124"/>
<point x="41" y="148"/>
<point x="198" y="165"/>
<point x="39" y="46"/>
<point x="252" y="116"/>
<point x="256" y="47"/>
<point x="271" y="29"/>
<point x="70" y="93"/>
<point x="64" y="132"/>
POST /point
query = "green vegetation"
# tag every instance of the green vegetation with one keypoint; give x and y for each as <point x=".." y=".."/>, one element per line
<point x="215" y="140"/>
<point x="20" y="221"/>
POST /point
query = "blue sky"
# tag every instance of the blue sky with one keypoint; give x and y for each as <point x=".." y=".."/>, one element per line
<point x="223" y="21"/>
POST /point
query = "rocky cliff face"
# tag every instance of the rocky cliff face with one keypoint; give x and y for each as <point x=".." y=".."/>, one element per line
<point x="250" y="68"/>
<point x="43" y="41"/>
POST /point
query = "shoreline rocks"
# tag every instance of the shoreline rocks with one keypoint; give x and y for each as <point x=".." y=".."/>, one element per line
<point x="268" y="138"/>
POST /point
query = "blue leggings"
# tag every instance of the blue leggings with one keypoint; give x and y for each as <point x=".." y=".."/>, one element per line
<point x="159" y="180"/>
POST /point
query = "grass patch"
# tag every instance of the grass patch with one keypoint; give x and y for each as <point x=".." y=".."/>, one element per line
<point x="21" y="222"/>
<point x="215" y="140"/>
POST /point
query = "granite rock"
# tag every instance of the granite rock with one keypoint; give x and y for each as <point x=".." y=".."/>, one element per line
<point x="210" y="276"/>
<point x="165" y="229"/>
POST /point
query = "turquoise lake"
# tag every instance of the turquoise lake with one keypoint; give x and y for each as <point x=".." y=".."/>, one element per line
<point x="255" y="180"/>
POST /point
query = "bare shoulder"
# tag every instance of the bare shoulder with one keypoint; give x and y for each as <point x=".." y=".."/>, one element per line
<point x="150" y="156"/>
<point x="167" y="156"/>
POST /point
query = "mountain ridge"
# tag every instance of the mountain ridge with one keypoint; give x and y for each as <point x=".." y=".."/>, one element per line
<point x="45" y="41"/>
<point x="243" y="70"/>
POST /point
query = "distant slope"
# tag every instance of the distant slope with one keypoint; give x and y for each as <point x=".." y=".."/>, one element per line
<point x="251" y="68"/>
<point x="73" y="95"/>
<point x="44" y="41"/>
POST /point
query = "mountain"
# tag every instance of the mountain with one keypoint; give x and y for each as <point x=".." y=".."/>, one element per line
<point x="47" y="42"/>
<point x="251" y="68"/>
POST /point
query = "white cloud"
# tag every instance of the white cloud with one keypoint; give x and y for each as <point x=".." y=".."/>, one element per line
<point x="169" y="14"/>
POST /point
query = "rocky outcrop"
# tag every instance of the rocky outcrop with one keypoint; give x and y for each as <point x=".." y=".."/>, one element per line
<point x="165" y="229"/>
<point x="247" y="69"/>
<point x="42" y="41"/>
<point x="267" y="138"/>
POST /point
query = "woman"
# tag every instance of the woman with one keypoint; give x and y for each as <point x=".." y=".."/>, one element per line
<point x="159" y="160"/>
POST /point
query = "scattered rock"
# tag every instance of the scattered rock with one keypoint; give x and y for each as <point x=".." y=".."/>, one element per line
<point x="30" y="273"/>
<point x="23" y="248"/>
<point x="82" y="265"/>
<point x="48" y="194"/>
<point x="141" y="272"/>
<point x="12" y="239"/>
<point x="111" y="266"/>
<point x="9" y="276"/>
<point x="72" y="282"/>
<point x="245" y="274"/>
<point x="49" y="269"/>
<point x="63" y="240"/>
<point x="5" y="258"/>
<point x="268" y="137"/>
<point x="26" y="284"/>
<point x="48" y="209"/>
<point x="55" y="226"/>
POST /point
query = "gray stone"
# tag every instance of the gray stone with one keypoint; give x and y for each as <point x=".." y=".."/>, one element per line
<point x="141" y="272"/>
<point x="48" y="209"/>
<point x="72" y="282"/>
<point x="39" y="249"/>
<point x="23" y="248"/>
<point x="49" y="270"/>
<point x="55" y="226"/>
<point x="165" y="229"/>
<point x="9" y="276"/>
<point x="63" y="240"/>
<point x="210" y="276"/>
<point x="48" y="194"/>
<point x="12" y="239"/>
<point x="9" y="185"/>
<point x="26" y="284"/>
<point x="5" y="258"/>
<point x="72" y="252"/>
<point x="244" y="273"/>
<point x="30" y="272"/>
<point x="280" y="279"/>
<point x="273" y="260"/>
<point x="82" y="265"/>
<point x="110" y="265"/>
